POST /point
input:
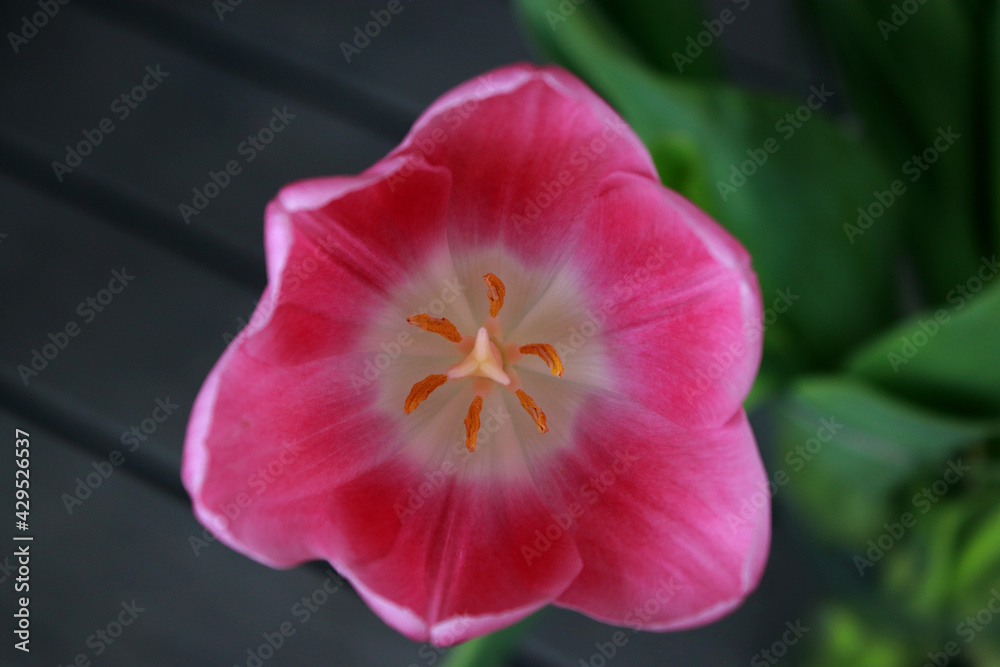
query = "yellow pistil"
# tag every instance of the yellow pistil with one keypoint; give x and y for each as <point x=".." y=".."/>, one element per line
<point x="472" y="423"/>
<point x="438" y="325"/>
<point x="484" y="363"/>
<point x="496" y="292"/>
<point x="548" y="355"/>
<point x="422" y="390"/>
<point x="528" y="403"/>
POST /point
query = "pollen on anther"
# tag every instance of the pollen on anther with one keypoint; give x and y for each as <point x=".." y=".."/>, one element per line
<point x="532" y="409"/>
<point x="496" y="292"/>
<point x="472" y="423"/>
<point x="422" y="390"/>
<point x="548" y="355"/>
<point x="438" y="325"/>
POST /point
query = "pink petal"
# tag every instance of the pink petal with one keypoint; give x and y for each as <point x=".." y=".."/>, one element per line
<point x="452" y="568"/>
<point x="679" y="302"/>
<point x="526" y="148"/>
<point x="673" y="526"/>
<point x="267" y="443"/>
<point x="375" y="229"/>
<point x="282" y="395"/>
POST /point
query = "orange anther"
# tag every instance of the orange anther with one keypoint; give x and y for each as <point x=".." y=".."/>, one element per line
<point x="472" y="423"/>
<point x="537" y="415"/>
<point x="496" y="292"/>
<point x="548" y="355"/>
<point x="422" y="390"/>
<point x="438" y="325"/>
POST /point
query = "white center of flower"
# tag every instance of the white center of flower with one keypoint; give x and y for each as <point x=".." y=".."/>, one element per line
<point x="460" y="367"/>
<point x="484" y="361"/>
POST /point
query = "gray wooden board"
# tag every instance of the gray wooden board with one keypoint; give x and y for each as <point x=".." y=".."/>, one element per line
<point x="129" y="542"/>
<point x="422" y="51"/>
<point x="156" y="339"/>
<point x="195" y="121"/>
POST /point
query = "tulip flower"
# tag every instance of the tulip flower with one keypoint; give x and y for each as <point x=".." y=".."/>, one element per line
<point x="502" y="368"/>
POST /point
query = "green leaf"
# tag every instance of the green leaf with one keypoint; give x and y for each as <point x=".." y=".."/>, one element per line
<point x="790" y="213"/>
<point x="848" y="449"/>
<point x="660" y="33"/>
<point x="681" y="166"/>
<point x="992" y="30"/>
<point x="920" y="570"/>
<point x="947" y="566"/>
<point x="910" y="70"/>
<point x="948" y="358"/>
<point x="847" y="637"/>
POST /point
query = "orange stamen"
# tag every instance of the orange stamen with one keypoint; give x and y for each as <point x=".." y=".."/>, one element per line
<point x="496" y="292"/>
<point x="548" y="355"/>
<point x="472" y="423"/>
<point x="422" y="390"/>
<point x="537" y="415"/>
<point x="438" y="325"/>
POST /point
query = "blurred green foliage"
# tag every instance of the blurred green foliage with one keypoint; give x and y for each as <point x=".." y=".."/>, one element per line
<point x="873" y="197"/>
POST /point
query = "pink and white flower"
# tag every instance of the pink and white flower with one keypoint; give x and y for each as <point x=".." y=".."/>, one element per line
<point x="501" y="368"/>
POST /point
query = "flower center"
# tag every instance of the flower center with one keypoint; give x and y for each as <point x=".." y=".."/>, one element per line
<point x="485" y="362"/>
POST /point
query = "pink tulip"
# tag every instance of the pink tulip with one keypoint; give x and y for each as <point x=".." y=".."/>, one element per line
<point x="504" y="367"/>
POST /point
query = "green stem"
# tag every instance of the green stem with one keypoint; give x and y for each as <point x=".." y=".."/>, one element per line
<point x="489" y="650"/>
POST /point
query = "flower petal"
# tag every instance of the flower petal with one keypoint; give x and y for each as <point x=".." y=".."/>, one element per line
<point x="658" y="517"/>
<point x="679" y="299"/>
<point x="526" y="148"/>
<point x="427" y="548"/>
<point x="378" y="226"/>
<point x="291" y="395"/>
<point x="259" y="434"/>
